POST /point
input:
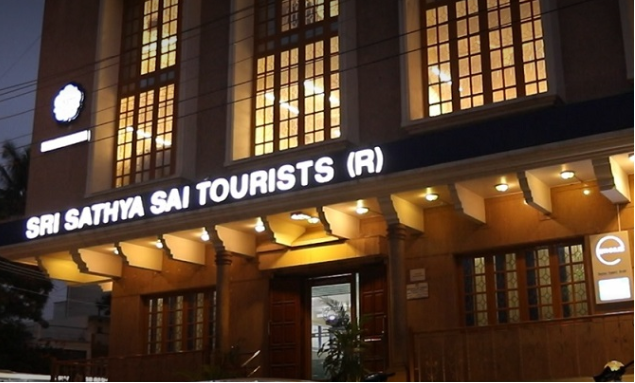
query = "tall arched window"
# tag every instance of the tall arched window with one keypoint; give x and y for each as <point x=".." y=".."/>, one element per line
<point x="297" y="83"/>
<point x="478" y="52"/>
<point x="146" y="128"/>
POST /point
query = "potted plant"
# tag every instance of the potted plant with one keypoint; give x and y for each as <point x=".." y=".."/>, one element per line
<point x="343" y="351"/>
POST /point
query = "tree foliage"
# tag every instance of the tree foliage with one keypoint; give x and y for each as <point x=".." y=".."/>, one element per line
<point x="23" y="289"/>
<point x="14" y="175"/>
<point x="23" y="293"/>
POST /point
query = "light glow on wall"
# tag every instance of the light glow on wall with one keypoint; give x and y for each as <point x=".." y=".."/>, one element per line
<point x="64" y="141"/>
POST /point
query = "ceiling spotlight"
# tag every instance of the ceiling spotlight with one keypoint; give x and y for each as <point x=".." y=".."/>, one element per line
<point x="431" y="197"/>
<point x="361" y="210"/>
<point x="260" y="227"/>
<point x="501" y="187"/>
<point x="313" y="220"/>
<point x="586" y="191"/>
<point x="299" y="216"/>
<point x="204" y="236"/>
<point x="567" y="174"/>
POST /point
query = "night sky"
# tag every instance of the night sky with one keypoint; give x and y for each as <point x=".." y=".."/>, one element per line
<point x="20" y="29"/>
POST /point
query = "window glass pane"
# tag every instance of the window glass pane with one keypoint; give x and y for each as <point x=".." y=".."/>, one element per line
<point x="144" y="147"/>
<point x="506" y="281"/>
<point x="540" y="283"/>
<point x="454" y="67"/>
<point x="189" y="319"/>
<point x="572" y="279"/>
<point x="299" y="84"/>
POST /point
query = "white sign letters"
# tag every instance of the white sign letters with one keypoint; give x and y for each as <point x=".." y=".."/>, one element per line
<point x="257" y="183"/>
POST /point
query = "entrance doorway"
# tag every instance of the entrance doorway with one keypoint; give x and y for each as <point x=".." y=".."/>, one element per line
<point x="302" y="308"/>
<point x="331" y="299"/>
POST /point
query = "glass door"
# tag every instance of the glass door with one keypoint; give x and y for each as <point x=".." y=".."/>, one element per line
<point x="331" y="299"/>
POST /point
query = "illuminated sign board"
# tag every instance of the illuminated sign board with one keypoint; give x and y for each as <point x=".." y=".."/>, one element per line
<point x="612" y="270"/>
<point x="416" y="151"/>
<point x="68" y="103"/>
<point x="283" y="178"/>
<point x="64" y="141"/>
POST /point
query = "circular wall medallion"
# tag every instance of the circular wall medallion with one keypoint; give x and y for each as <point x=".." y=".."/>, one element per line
<point x="68" y="103"/>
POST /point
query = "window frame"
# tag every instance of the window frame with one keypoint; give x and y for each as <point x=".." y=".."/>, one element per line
<point x="415" y="119"/>
<point x="160" y="152"/>
<point x="557" y="304"/>
<point x="271" y="44"/>
<point x="482" y="88"/>
<point x="158" y="342"/>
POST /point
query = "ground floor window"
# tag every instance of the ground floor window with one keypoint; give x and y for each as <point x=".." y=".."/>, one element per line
<point x="525" y="284"/>
<point x="180" y="322"/>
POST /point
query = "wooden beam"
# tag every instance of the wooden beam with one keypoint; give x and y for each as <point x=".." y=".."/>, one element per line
<point x="284" y="232"/>
<point x="62" y="267"/>
<point x="143" y="257"/>
<point x="358" y="248"/>
<point x="185" y="250"/>
<point x="236" y="241"/>
<point x="98" y="262"/>
<point x="612" y="180"/>
<point x="397" y="210"/>
<point x="537" y="194"/>
<point x="339" y="224"/>
<point x="467" y="202"/>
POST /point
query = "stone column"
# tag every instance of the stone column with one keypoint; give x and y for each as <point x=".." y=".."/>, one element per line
<point x="223" y="274"/>
<point x="398" y="347"/>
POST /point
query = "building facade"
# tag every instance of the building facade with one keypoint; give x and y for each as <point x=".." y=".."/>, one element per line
<point x="457" y="175"/>
<point x="78" y="327"/>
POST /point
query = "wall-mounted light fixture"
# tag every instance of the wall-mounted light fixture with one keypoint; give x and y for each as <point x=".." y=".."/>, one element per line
<point x="301" y="216"/>
<point x="260" y="226"/>
<point x="313" y="220"/>
<point x="430" y="197"/>
<point x="204" y="235"/>
<point x="361" y="209"/>
<point x="502" y="187"/>
<point x="567" y="174"/>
